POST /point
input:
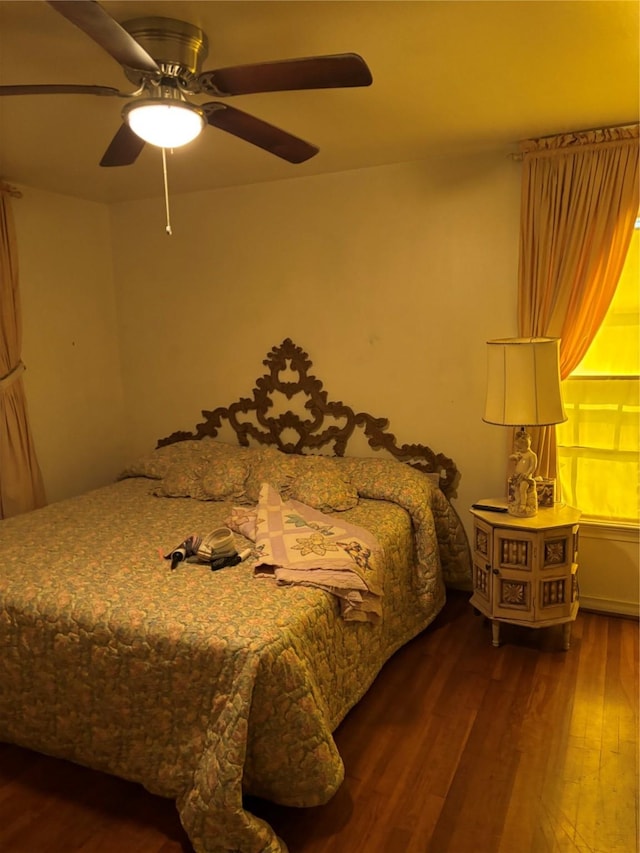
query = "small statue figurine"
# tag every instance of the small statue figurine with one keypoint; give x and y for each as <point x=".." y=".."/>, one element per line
<point x="523" y="497"/>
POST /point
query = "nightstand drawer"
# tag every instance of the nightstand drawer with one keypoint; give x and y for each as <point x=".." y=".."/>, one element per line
<point x="482" y="583"/>
<point x="513" y="597"/>
<point x="513" y="549"/>
<point x="559" y="548"/>
<point x="482" y="541"/>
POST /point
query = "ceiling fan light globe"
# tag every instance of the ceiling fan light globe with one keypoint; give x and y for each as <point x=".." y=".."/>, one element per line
<point x="166" y="125"/>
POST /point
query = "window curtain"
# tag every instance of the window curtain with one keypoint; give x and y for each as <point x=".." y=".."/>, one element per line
<point x="580" y="200"/>
<point x="21" y="487"/>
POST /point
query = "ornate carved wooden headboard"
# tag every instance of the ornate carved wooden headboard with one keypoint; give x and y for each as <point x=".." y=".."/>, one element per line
<point x="328" y="429"/>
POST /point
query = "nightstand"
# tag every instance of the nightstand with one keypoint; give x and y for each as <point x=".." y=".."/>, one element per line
<point x="525" y="569"/>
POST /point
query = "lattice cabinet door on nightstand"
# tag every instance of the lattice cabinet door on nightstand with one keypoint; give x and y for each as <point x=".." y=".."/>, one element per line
<point x="525" y="569"/>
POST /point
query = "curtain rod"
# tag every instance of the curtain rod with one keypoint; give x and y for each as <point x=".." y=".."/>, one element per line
<point x="14" y="192"/>
<point x="518" y="155"/>
<point x="587" y="130"/>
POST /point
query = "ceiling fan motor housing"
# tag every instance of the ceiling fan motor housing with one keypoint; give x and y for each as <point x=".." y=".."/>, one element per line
<point x="179" y="48"/>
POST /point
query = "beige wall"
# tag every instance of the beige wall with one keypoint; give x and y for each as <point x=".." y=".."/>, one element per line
<point x="391" y="278"/>
<point x="70" y="344"/>
<point x="609" y="575"/>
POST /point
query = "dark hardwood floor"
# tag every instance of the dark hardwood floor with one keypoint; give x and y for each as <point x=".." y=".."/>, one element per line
<point x="457" y="748"/>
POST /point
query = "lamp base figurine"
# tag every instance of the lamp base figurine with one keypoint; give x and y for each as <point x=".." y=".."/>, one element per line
<point x="522" y="495"/>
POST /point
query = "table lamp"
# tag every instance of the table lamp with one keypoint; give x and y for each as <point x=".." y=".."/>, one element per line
<point x="523" y="389"/>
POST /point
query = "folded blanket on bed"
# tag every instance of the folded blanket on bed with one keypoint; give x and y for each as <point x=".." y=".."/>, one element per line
<point x="297" y="544"/>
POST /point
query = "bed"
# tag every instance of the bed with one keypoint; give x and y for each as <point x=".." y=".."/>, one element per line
<point x="205" y="685"/>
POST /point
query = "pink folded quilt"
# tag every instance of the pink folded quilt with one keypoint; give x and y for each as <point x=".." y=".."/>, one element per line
<point x="297" y="544"/>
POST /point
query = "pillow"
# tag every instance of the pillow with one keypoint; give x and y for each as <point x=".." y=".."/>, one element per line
<point x="156" y="464"/>
<point x="224" y="479"/>
<point x="433" y="478"/>
<point x="322" y="486"/>
<point x="313" y="480"/>
<point x="361" y="470"/>
<point x="211" y="479"/>
<point x="268" y="465"/>
<point x="181" y="482"/>
<point x="205" y="469"/>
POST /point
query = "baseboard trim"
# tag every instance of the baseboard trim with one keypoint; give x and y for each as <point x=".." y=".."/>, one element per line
<point x="612" y="532"/>
<point x="610" y="606"/>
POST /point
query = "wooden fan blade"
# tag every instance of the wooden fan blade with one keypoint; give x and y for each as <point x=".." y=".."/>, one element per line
<point x="258" y="132"/>
<point x="57" y="89"/>
<point x="93" y="20"/>
<point x="123" y="149"/>
<point x="313" y="72"/>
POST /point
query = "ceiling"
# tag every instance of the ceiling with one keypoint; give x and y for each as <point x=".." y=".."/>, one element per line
<point x="450" y="76"/>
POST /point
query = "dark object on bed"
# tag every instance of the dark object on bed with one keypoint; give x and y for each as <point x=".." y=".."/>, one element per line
<point x="331" y="424"/>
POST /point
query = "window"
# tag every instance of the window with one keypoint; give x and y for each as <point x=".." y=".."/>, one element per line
<point x="599" y="446"/>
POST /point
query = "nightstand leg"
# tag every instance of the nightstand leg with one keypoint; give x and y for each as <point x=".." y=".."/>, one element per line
<point x="495" y="631"/>
<point x="566" y="636"/>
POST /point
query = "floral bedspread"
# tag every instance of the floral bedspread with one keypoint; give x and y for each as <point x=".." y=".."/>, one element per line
<point x="201" y="685"/>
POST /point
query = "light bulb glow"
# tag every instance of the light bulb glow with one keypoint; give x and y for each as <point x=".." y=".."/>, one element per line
<point x="167" y="125"/>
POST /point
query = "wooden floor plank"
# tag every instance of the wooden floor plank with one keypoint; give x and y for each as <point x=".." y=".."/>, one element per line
<point x="458" y="747"/>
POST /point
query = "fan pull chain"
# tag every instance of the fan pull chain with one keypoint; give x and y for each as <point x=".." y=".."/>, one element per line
<point x="166" y="191"/>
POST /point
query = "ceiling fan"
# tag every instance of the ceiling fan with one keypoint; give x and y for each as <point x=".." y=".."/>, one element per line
<point x="163" y="58"/>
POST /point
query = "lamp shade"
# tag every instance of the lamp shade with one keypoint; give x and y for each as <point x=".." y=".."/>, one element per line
<point x="523" y="382"/>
